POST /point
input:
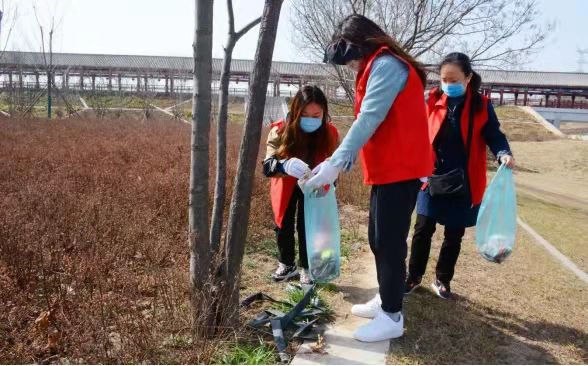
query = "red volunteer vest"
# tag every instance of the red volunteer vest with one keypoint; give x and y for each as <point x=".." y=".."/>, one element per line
<point x="399" y="150"/>
<point x="281" y="189"/>
<point x="437" y="110"/>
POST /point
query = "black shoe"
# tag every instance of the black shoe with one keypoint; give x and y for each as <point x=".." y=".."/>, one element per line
<point x="411" y="284"/>
<point x="284" y="272"/>
<point x="441" y="289"/>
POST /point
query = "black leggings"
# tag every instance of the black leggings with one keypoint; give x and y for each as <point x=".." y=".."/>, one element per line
<point x="424" y="229"/>
<point x="391" y="207"/>
<point x="285" y="235"/>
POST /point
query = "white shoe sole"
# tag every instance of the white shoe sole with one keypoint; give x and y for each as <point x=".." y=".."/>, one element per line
<point x="381" y="339"/>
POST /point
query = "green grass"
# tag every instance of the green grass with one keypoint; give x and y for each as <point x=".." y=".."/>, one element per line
<point x="295" y="294"/>
<point x="348" y="238"/>
<point x="341" y="109"/>
<point x="116" y="101"/>
<point x="237" y="117"/>
<point x="566" y="228"/>
<point x="328" y="287"/>
<point x="57" y="102"/>
<point x="267" y="246"/>
<point x="248" y="354"/>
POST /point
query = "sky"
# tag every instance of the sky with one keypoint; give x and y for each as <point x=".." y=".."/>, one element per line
<point x="165" y="27"/>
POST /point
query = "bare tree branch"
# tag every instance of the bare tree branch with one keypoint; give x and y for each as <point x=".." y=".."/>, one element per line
<point x="4" y="14"/>
<point x="499" y="33"/>
<point x="247" y="28"/>
<point x="231" y="15"/>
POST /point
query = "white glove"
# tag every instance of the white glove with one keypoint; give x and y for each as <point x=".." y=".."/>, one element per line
<point x="324" y="174"/>
<point x="295" y="167"/>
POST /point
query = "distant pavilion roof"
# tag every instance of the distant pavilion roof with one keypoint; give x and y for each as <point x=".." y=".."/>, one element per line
<point x="184" y="65"/>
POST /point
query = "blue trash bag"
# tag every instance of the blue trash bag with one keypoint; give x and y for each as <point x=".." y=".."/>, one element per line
<point x="323" y="237"/>
<point x="497" y="219"/>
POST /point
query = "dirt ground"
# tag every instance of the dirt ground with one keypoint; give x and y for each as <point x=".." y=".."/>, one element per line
<point x="529" y="309"/>
<point x="558" y="166"/>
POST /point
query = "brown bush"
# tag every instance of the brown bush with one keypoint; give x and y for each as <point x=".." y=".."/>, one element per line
<point x="93" y="220"/>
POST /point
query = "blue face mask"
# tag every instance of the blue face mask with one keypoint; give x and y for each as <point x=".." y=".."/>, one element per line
<point x="453" y="90"/>
<point x="310" y="124"/>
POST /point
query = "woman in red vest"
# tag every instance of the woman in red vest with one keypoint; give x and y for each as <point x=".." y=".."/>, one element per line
<point x="461" y="123"/>
<point x="391" y="137"/>
<point x="295" y="146"/>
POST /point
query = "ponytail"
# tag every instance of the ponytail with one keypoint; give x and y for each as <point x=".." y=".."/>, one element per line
<point x="475" y="85"/>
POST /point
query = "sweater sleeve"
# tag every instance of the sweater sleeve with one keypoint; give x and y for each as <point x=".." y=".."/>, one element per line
<point x="272" y="166"/>
<point x="387" y="78"/>
<point x="494" y="137"/>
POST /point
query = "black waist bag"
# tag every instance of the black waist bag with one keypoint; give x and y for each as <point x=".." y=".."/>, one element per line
<point x="454" y="183"/>
<point x="451" y="184"/>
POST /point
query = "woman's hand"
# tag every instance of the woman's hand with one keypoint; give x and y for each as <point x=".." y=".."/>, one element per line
<point x="508" y="160"/>
<point x="295" y="167"/>
<point x="324" y="174"/>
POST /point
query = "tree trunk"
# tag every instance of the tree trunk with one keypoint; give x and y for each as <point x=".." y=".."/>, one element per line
<point x="221" y="133"/>
<point x="241" y="200"/>
<point x="221" y="148"/>
<point x="200" y="253"/>
<point x="50" y="76"/>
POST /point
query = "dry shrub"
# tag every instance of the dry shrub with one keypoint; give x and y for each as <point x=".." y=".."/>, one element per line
<point x="93" y="220"/>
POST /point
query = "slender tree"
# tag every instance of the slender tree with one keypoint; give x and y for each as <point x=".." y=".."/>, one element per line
<point x="200" y="251"/>
<point x="47" y="58"/>
<point x="241" y="199"/>
<point x="221" y="128"/>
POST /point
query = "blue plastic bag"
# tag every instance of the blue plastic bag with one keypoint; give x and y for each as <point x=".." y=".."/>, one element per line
<point x="323" y="237"/>
<point x="497" y="219"/>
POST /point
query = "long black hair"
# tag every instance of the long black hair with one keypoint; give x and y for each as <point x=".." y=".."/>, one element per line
<point x="465" y="64"/>
<point x="295" y="143"/>
<point x="368" y="36"/>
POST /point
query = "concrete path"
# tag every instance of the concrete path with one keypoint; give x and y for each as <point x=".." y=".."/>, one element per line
<point x="341" y="348"/>
<point x="543" y="121"/>
<point x="84" y="103"/>
<point x="178" y="104"/>
<point x="166" y="111"/>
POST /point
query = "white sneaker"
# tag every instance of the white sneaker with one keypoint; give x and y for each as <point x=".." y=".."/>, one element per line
<point x="381" y="328"/>
<point x="369" y="309"/>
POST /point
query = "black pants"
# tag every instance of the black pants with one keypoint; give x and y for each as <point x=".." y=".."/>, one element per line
<point x="424" y="229"/>
<point x="285" y="236"/>
<point x="391" y="207"/>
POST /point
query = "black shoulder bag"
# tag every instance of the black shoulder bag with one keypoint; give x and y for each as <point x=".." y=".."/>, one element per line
<point x="454" y="184"/>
